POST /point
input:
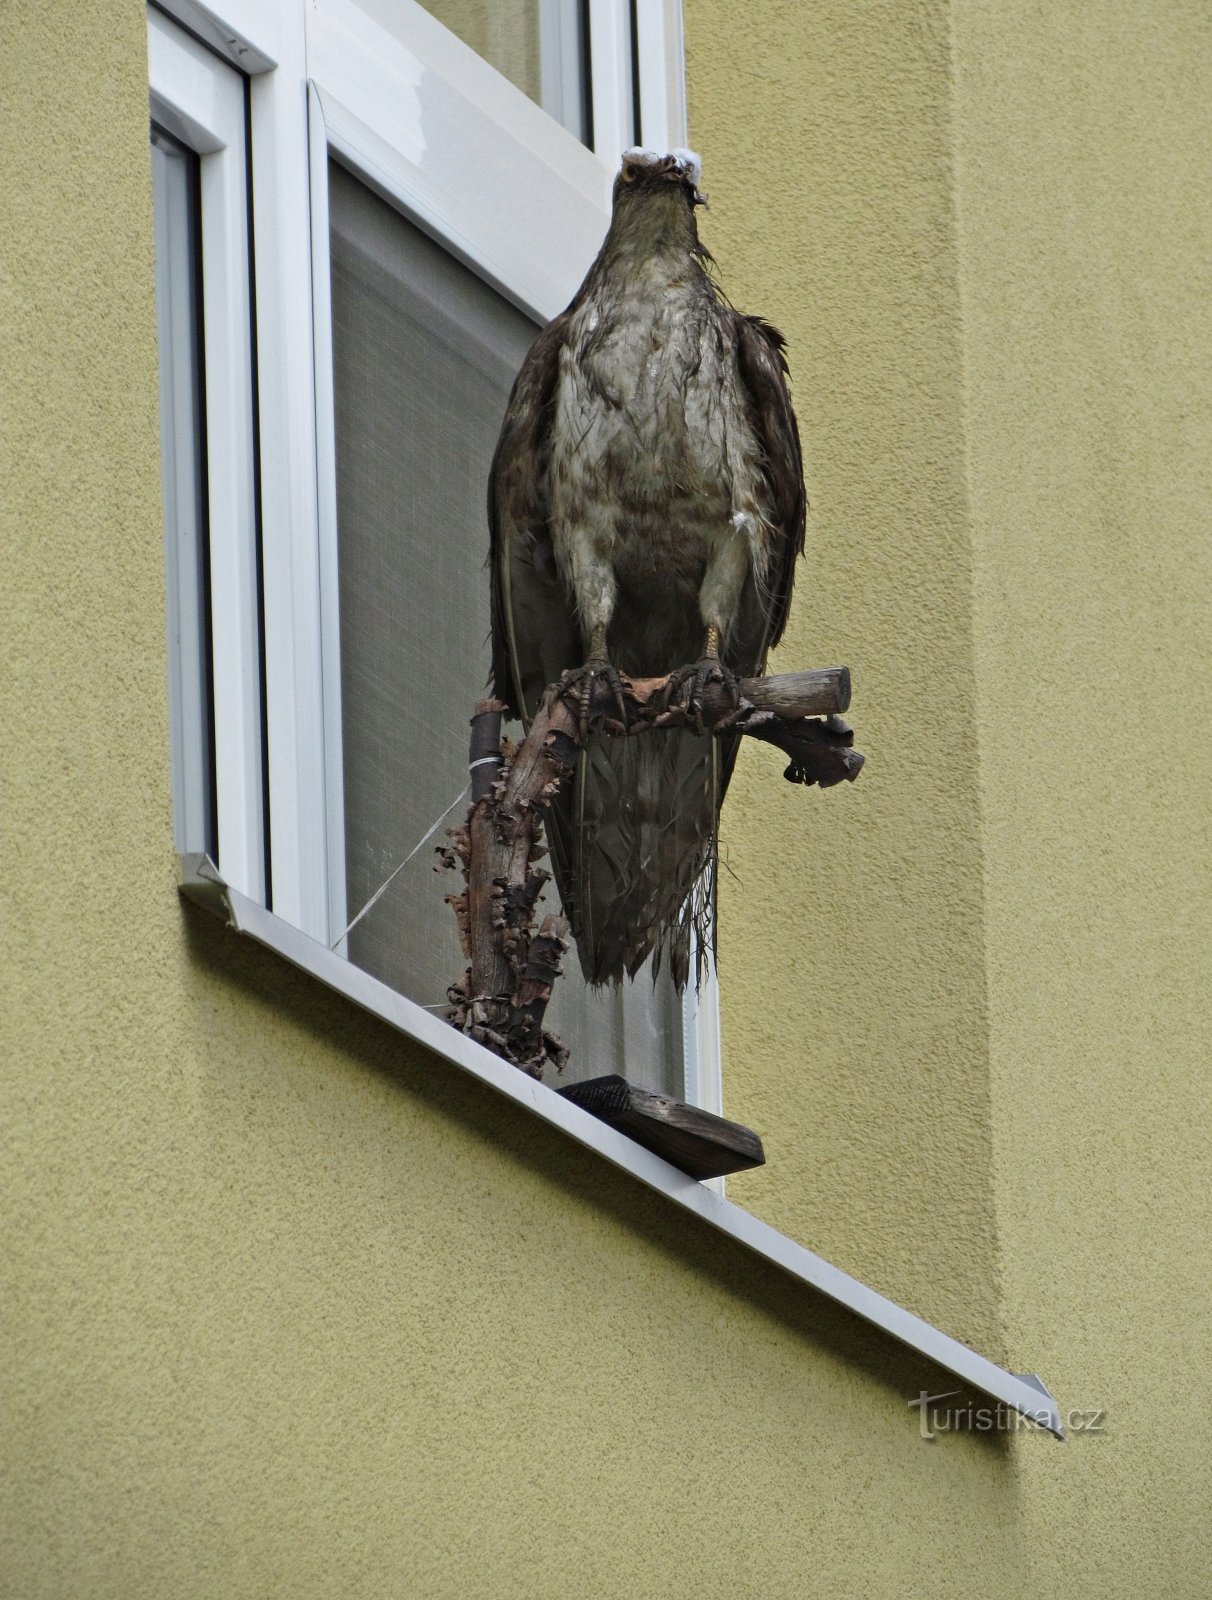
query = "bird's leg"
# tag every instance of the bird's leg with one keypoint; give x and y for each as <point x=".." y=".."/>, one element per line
<point x="686" y="685"/>
<point x="597" y="664"/>
<point x="728" y="565"/>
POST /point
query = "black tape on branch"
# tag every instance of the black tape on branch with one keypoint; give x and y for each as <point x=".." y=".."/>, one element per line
<point x="529" y="1045"/>
<point x="543" y="966"/>
<point x="563" y="749"/>
<point x="484" y="751"/>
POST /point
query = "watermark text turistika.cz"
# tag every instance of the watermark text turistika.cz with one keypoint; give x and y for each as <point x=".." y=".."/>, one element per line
<point x="934" y="1417"/>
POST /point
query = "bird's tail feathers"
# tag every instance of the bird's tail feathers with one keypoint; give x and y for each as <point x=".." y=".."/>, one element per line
<point x="639" y="879"/>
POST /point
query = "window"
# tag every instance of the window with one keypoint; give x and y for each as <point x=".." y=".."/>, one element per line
<point x="413" y="219"/>
<point x="208" y="438"/>
<point x="424" y="353"/>
<point x="178" y="219"/>
<point x="542" y="46"/>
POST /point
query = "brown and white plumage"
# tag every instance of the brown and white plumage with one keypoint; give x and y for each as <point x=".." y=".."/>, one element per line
<point x="646" y="492"/>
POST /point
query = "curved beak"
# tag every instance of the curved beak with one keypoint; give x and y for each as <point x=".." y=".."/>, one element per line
<point x="674" y="170"/>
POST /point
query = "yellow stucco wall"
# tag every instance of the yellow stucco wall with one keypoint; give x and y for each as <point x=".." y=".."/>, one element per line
<point x="1084" y="149"/>
<point x="291" y="1308"/>
<point x="854" y="1005"/>
<point x="992" y="258"/>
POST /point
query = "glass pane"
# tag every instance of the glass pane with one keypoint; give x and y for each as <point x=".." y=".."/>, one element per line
<point x="539" y="45"/>
<point x="177" y="202"/>
<point x="425" y="354"/>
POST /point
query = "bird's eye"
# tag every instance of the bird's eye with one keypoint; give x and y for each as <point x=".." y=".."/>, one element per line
<point x="629" y="172"/>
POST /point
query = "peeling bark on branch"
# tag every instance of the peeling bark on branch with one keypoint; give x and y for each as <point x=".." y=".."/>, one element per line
<point x="502" y="997"/>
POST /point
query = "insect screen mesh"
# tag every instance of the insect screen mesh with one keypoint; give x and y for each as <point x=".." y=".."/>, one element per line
<point x="424" y="356"/>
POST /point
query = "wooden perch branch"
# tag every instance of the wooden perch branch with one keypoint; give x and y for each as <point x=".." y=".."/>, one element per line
<point x="502" y="997"/>
<point x="790" y="695"/>
<point x="779" y="710"/>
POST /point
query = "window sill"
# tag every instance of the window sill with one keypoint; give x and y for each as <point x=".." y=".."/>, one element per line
<point x="1024" y="1393"/>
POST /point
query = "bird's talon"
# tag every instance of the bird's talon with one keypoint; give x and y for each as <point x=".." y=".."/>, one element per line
<point x="687" y="686"/>
<point x="582" y="680"/>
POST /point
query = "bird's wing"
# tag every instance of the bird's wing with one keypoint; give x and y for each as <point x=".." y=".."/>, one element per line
<point x="534" y="633"/>
<point x="762" y="612"/>
<point x="535" y="637"/>
<point x="763" y="372"/>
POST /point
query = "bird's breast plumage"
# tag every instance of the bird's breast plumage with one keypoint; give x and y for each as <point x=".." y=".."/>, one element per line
<point x="654" y="459"/>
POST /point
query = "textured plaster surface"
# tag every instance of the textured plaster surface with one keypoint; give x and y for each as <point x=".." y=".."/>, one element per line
<point x="1014" y="202"/>
<point x="289" y="1308"/>
<point x="854" y="1008"/>
<point x="1084" y="141"/>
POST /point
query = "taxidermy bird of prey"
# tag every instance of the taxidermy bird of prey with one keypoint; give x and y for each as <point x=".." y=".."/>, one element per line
<point x="646" y="504"/>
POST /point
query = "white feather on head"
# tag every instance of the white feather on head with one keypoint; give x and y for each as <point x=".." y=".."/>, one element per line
<point x="689" y="159"/>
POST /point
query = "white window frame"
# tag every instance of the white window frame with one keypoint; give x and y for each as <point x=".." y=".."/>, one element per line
<point x="325" y="75"/>
<point x="444" y="137"/>
<point x="201" y="102"/>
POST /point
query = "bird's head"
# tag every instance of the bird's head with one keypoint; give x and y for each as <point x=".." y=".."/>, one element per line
<point x="647" y="173"/>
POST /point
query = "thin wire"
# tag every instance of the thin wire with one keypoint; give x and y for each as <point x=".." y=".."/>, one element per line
<point x="387" y="882"/>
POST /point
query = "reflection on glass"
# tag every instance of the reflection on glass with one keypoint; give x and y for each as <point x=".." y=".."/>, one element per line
<point x="539" y="45"/>
<point x="424" y="357"/>
<point x="177" y="209"/>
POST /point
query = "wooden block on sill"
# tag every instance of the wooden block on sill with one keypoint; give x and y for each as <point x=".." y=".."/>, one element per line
<point x="696" y="1142"/>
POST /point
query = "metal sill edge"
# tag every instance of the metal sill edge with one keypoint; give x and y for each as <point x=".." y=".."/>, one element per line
<point x="1023" y="1392"/>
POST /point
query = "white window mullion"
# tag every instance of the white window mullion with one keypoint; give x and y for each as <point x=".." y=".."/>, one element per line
<point x="178" y="329"/>
<point x="294" y="680"/>
<point x="202" y="101"/>
<point x="230" y="490"/>
<point x="610" y="60"/>
<point x="326" y="524"/>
